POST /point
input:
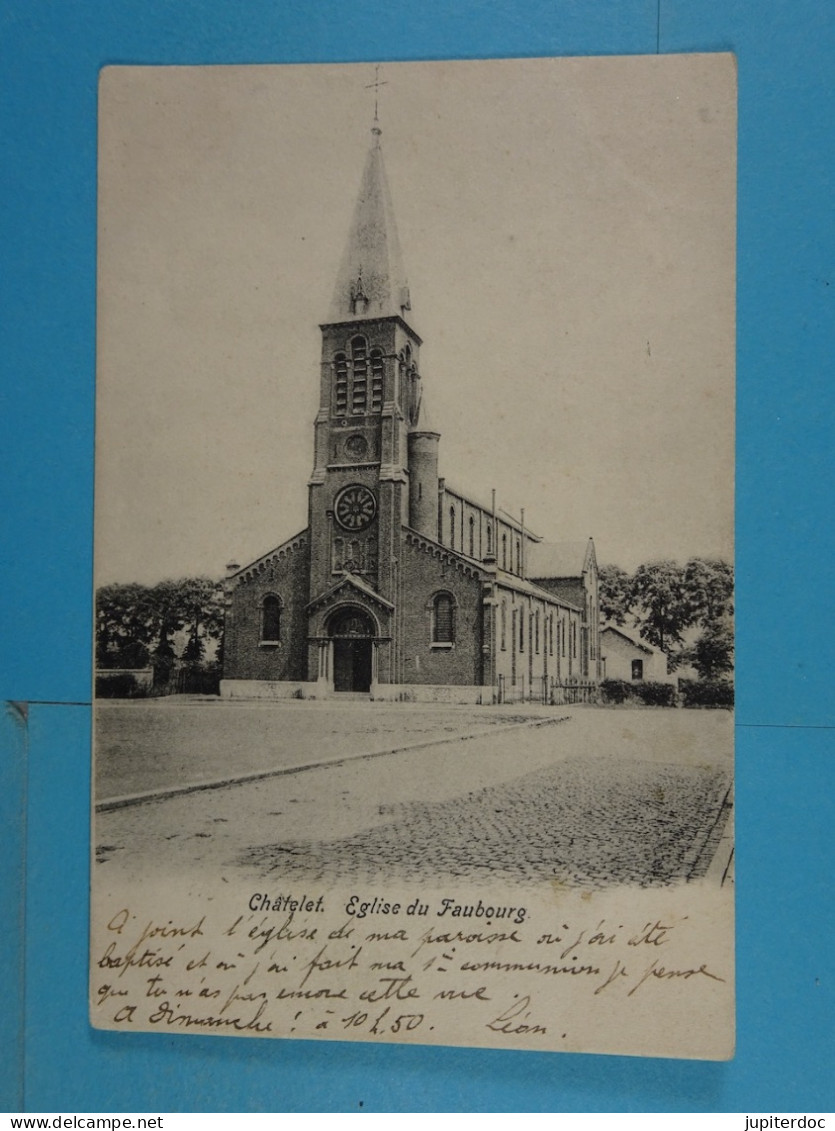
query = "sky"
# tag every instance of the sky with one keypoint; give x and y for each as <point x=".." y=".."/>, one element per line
<point x="568" y="231"/>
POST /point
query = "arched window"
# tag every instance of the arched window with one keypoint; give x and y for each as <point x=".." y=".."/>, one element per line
<point x="489" y="538"/>
<point x="521" y="630"/>
<point x="359" y="388"/>
<point x="472" y="537"/>
<point x="504" y="551"/>
<point x="637" y="669"/>
<point x="443" y="619"/>
<point x="270" y="619"/>
<point x="452" y="527"/>
<point x="537" y="631"/>
<point x="504" y="625"/>
<point x="340" y="400"/>
<point x="376" y="380"/>
<point x="518" y="557"/>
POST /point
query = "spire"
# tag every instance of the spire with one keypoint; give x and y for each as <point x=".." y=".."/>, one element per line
<point x="371" y="282"/>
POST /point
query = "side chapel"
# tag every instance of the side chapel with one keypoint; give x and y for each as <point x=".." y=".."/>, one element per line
<point x="401" y="586"/>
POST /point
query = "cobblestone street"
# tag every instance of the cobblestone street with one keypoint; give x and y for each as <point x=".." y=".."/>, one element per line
<point x="580" y="823"/>
<point x="598" y="798"/>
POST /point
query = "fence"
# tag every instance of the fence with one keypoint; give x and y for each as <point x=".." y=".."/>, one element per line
<point x="548" y="690"/>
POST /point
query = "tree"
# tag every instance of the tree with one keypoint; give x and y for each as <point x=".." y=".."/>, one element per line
<point x="663" y="599"/>
<point x="709" y="583"/>
<point x="615" y="594"/>
<point x="163" y="623"/>
<point x="124" y="626"/>
<point x="662" y="610"/>
<point x="678" y="658"/>
<point x="201" y="607"/>
<point x="713" y="652"/>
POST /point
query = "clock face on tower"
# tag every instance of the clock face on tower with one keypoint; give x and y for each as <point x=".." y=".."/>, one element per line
<point x="356" y="446"/>
<point x="355" y="507"/>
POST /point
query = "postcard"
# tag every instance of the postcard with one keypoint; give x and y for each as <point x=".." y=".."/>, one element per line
<point x="414" y="553"/>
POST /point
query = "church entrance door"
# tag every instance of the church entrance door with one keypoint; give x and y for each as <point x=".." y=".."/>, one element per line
<point x="352" y="632"/>
<point x="352" y="665"/>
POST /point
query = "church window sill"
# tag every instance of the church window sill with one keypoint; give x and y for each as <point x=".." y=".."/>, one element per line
<point x="269" y="643"/>
<point x="442" y="645"/>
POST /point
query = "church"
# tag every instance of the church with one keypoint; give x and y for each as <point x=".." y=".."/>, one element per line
<point x="402" y="587"/>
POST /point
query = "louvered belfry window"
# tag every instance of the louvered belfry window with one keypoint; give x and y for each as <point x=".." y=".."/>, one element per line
<point x="376" y="380"/>
<point x="341" y="384"/>
<point x="359" y="389"/>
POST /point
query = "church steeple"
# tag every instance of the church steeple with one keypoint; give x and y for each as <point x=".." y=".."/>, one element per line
<point x="369" y="406"/>
<point x="371" y="282"/>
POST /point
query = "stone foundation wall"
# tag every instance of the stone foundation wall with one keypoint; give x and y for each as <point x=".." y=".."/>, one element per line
<point x="431" y="693"/>
<point x="267" y="689"/>
<point x="381" y="692"/>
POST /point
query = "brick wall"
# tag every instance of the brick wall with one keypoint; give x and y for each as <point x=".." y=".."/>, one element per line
<point x="426" y="571"/>
<point x="287" y="576"/>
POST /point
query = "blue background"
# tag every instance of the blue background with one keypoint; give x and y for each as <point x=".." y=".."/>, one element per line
<point x="50" y="56"/>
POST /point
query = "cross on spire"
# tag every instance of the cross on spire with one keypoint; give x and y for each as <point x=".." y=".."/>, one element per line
<point x="375" y="86"/>
<point x="371" y="282"/>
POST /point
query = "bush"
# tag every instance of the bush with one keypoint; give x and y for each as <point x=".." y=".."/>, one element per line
<point x="120" y="685"/>
<point x="707" y="692"/>
<point x="616" y="691"/>
<point x="655" y="694"/>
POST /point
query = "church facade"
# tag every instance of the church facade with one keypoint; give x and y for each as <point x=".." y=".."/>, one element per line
<point x="402" y="587"/>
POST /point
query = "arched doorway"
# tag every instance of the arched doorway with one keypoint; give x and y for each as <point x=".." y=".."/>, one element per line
<point x="352" y="632"/>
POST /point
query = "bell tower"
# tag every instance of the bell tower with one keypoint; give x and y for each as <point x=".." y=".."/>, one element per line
<point x="369" y="400"/>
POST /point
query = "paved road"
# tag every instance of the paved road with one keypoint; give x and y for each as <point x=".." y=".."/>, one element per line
<point x="581" y="823"/>
<point x="607" y="797"/>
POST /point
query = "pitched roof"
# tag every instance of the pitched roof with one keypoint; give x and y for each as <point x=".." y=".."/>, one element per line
<point x="237" y="572"/>
<point x="502" y="516"/>
<point x="560" y="559"/>
<point x="371" y="282"/>
<point x="635" y="641"/>
<point x="522" y="585"/>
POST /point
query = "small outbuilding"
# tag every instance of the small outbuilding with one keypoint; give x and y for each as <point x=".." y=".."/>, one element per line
<point x="627" y="657"/>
